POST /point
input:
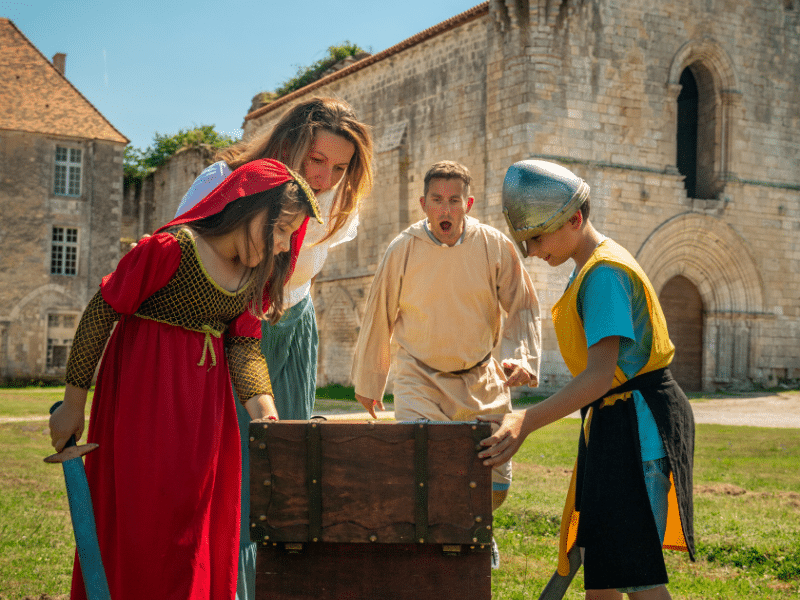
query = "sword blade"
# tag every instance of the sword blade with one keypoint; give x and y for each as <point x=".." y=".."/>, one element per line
<point x="558" y="584"/>
<point x="82" y="512"/>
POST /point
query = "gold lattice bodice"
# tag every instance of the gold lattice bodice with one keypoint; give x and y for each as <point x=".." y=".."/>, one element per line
<point x="190" y="300"/>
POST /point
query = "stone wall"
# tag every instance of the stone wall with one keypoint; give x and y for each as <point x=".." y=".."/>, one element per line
<point x="151" y="202"/>
<point x="35" y="305"/>
<point x="594" y="86"/>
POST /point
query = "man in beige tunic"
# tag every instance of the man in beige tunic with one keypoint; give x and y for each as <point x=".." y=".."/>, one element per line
<point x="439" y="291"/>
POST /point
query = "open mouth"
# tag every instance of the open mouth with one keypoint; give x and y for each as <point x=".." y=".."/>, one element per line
<point x="445" y="226"/>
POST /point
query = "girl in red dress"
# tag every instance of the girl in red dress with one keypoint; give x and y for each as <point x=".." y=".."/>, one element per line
<point x="187" y="303"/>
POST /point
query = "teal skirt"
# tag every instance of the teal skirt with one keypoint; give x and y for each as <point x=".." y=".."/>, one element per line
<point x="246" y="579"/>
<point x="290" y="347"/>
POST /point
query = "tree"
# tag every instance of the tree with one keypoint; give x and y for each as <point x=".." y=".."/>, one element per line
<point x="137" y="163"/>
<point x="306" y="75"/>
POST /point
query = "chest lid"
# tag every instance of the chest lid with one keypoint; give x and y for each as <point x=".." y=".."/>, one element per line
<point x="369" y="482"/>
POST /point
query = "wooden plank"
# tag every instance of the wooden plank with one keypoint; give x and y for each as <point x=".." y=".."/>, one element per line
<point x="368" y="571"/>
<point x="369" y="487"/>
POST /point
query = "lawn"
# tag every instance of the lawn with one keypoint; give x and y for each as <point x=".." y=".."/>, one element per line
<point x="747" y="501"/>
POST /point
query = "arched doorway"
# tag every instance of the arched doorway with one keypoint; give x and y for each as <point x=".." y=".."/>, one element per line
<point x="683" y="309"/>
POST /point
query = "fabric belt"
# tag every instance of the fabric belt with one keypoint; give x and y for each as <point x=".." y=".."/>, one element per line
<point x="480" y="363"/>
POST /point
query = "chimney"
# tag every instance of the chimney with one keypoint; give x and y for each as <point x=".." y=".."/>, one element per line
<point x="59" y="62"/>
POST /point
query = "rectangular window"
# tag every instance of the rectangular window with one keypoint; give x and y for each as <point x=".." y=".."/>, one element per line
<point x="60" y="333"/>
<point x="67" y="181"/>
<point x="64" y="251"/>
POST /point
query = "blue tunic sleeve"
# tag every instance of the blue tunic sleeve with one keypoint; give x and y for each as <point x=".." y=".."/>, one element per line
<point x="611" y="303"/>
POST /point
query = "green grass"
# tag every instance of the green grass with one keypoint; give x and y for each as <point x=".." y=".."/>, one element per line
<point x="334" y="391"/>
<point x="30" y="402"/>
<point x="747" y="501"/>
<point x="36" y="543"/>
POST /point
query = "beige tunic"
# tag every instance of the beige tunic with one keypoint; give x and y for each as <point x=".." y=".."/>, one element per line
<point x="442" y="305"/>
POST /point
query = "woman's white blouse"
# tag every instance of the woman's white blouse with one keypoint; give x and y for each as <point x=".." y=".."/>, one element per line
<point x="312" y="257"/>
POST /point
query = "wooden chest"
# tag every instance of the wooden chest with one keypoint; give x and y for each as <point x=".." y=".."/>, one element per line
<point x="372" y="510"/>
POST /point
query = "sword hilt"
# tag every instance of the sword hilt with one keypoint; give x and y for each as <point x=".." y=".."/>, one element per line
<point x="71" y="449"/>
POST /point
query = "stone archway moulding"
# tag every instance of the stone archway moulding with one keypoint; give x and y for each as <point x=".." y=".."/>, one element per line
<point x="712" y="55"/>
<point x="50" y="288"/>
<point x="711" y="255"/>
<point x="711" y="58"/>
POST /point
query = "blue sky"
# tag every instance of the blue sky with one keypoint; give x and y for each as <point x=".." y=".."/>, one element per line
<point x="164" y="65"/>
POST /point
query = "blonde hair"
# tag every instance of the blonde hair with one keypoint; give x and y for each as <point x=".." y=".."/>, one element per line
<point x="290" y="141"/>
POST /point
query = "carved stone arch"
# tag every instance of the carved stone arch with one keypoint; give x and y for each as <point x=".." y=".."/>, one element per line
<point x="37" y="316"/>
<point x="708" y="52"/>
<point x="719" y="262"/>
<point x="709" y="252"/>
<point x="714" y="73"/>
<point x="50" y="288"/>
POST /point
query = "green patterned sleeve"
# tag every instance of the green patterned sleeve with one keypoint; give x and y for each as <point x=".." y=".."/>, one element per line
<point x="248" y="368"/>
<point x="90" y="339"/>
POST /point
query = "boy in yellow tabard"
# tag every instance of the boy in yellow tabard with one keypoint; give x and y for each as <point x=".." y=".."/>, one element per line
<point x="631" y="490"/>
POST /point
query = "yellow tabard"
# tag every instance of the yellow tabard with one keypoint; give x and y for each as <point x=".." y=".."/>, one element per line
<point x="572" y="344"/>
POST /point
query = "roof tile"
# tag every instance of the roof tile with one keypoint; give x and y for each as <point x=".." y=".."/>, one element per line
<point x="35" y="97"/>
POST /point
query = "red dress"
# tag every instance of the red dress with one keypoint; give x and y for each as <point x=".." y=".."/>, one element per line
<point x="165" y="480"/>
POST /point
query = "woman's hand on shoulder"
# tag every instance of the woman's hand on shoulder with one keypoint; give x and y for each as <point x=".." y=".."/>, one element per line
<point x="133" y="245"/>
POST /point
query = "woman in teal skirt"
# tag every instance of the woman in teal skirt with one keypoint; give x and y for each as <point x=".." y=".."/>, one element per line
<point x="322" y="139"/>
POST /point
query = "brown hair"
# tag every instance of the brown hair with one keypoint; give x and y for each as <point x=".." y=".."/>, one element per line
<point x="284" y="201"/>
<point x="290" y="141"/>
<point x="585" y="209"/>
<point x="448" y="169"/>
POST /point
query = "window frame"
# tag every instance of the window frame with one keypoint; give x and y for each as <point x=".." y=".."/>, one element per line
<point x="69" y="251"/>
<point x="54" y="328"/>
<point x="69" y="182"/>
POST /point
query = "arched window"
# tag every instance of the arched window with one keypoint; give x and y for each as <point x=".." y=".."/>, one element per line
<point x="687" y="132"/>
<point x="704" y="99"/>
<point x="701" y="132"/>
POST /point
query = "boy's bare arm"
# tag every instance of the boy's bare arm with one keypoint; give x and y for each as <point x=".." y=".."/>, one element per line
<point x="589" y="385"/>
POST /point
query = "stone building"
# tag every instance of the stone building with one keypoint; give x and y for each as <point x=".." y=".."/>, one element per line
<point x="60" y="200"/>
<point x="684" y="118"/>
<point x="152" y="201"/>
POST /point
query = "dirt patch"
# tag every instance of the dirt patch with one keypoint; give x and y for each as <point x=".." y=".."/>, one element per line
<point x="720" y="489"/>
<point x="542" y="471"/>
<point x="780" y="409"/>
<point x="728" y="489"/>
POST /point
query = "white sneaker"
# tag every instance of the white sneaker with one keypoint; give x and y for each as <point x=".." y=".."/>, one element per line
<point x="495" y="555"/>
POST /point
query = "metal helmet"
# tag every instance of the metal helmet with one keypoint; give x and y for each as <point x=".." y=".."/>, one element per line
<point x="539" y="197"/>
